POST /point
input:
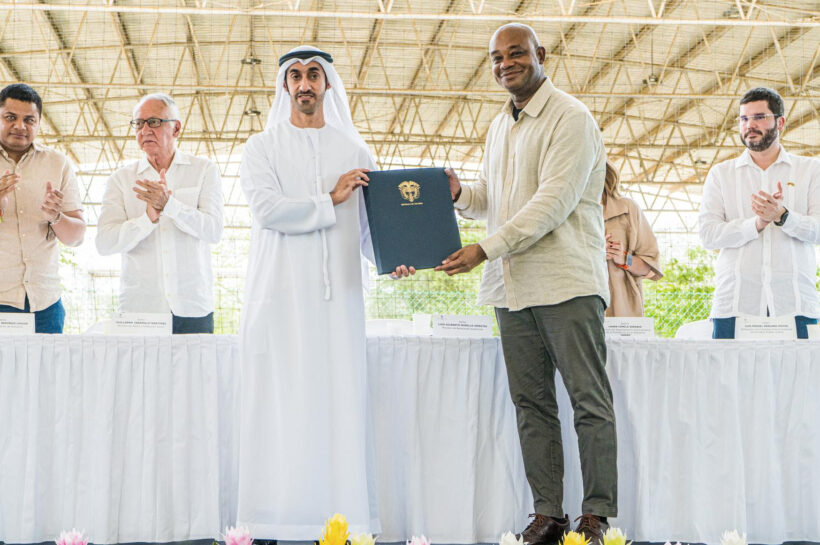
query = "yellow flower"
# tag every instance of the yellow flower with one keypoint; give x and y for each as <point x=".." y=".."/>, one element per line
<point x="614" y="536"/>
<point x="362" y="539"/>
<point x="335" y="532"/>
<point x="574" y="538"/>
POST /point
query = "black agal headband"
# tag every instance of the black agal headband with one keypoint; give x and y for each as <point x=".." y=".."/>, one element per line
<point x="305" y="54"/>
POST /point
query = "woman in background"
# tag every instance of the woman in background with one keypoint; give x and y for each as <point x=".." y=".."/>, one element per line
<point x="631" y="249"/>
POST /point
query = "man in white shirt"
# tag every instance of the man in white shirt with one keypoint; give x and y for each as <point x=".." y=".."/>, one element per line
<point x="540" y="189"/>
<point x="162" y="213"/>
<point x="762" y="211"/>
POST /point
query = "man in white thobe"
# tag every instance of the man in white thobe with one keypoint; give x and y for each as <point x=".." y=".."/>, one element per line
<point x="305" y="448"/>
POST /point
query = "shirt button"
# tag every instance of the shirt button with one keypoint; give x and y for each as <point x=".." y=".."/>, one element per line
<point x="21" y="211"/>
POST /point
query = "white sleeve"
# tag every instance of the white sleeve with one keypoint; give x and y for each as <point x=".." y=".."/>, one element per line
<point x="806" y="227"/>
<point x="272" y="209"/>
<point x="115" y="232"/>
<point x="715" y="231"/>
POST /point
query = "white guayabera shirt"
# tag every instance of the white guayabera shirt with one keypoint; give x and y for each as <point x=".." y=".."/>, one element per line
<point x="165" y="265"/>
<point x="775" y="269"/>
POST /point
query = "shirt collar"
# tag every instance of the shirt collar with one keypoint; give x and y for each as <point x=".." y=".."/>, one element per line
<point x="745" y="158"/>
<point x="179" y="159"/>
<point x="536" y="103"/>
<point x="35" y="147"/>
<point x="615" y="206"/>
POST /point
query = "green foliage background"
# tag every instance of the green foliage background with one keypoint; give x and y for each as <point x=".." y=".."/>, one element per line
<point x="684" y="294"/>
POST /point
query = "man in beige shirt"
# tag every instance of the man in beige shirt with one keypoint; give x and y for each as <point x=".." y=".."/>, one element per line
<point x="39" y="202"/>
<point x="539" y="189"/>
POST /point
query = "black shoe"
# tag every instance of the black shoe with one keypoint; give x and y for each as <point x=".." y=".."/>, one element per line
<point x="544" y="530"/>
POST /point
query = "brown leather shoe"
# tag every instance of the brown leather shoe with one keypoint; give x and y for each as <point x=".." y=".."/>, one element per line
<point x="592" y="528"/>
<point x="544" y="530"/>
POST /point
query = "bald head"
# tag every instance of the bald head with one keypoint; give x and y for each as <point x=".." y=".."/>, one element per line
<point x="517" y="61"/>
<point x="517" y="30"/>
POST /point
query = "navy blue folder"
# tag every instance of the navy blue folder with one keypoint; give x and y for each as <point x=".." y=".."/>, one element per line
<point x="411" y="217"/>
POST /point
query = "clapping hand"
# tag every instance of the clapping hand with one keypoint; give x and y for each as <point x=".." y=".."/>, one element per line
<point x="154" y="194"/>
<point x="767" y="207"/>
<point x="52" y="204"/>
<point x="8" y="182"/>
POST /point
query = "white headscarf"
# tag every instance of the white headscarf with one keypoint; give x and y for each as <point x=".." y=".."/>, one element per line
<point x="336" y="108"/>
<point x="337" y="114"/>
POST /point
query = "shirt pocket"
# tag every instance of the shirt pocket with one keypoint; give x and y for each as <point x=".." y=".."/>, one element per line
<point x="188" y="196"/>
<point x="795" y="196"/>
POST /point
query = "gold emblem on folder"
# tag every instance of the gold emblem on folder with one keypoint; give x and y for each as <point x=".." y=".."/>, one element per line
<point x="409" y="190"/>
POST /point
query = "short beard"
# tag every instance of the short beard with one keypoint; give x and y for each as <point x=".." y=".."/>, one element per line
<point x="768" y="138"/>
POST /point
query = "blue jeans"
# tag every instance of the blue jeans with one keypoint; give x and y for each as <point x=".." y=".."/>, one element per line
<point x="724" y="328"/>
<point x="48" y="320"/>
<point x="184" y="325"/>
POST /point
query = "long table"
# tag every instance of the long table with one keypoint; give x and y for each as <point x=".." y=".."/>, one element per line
<point x="135" y="439"/>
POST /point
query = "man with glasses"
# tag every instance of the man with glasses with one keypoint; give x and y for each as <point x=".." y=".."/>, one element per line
<point x="762" y="211"/>
<point x="162" y="213"/>
<point x="39" y="204"/>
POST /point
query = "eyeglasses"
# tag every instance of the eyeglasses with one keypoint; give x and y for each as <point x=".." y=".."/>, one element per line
<point x="756" y="118"/>
<point x="152" y="122"/>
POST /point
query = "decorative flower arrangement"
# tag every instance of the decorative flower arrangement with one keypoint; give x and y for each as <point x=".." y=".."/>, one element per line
<point x="509" y="539"/>
<point x="335" y="532"/>
<point x="574" y="538"/>
<point x="615" y="536"/>
<point x="418" y="541"/>
<point x="238" y="535"/>
<point x="362" y="539"/>
<point x="71" y="538"/>
<point x="732" y="538"/>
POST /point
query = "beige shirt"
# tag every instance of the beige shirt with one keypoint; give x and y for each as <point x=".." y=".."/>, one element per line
<point x="624" y="219"/>
<point x="539" y="189"/>
<point x="28" y="262"/>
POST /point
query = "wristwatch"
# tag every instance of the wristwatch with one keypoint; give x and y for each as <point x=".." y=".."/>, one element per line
<point x="628" y="261"/>
<point x="783" y="217"/>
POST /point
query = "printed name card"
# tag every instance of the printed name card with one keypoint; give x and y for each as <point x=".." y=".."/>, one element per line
<point x="630" y="328"/>
<point x="140" y="323"/>
<point x="16" y="323"/>
<point x="462" y="326"/>
<point x="765" y="327"/>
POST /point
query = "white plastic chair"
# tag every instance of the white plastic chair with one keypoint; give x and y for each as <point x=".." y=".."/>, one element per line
<point x="695" y="331"/>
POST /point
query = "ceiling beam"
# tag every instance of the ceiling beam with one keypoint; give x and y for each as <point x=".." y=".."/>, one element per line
<point x="811" y="20"/>
<point x="761" y="56"/>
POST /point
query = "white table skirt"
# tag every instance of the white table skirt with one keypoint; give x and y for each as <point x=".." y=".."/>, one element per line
<point x="135" y="439"/>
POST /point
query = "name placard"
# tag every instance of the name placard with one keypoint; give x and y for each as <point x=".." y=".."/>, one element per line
<point x="140" y="323"/>
<point x="421" y="324"/>
<point x="765" y="327"/>
<point x="462" y="326"/>
<point x="16" y="323"/>
<point x="630" y="328"/>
